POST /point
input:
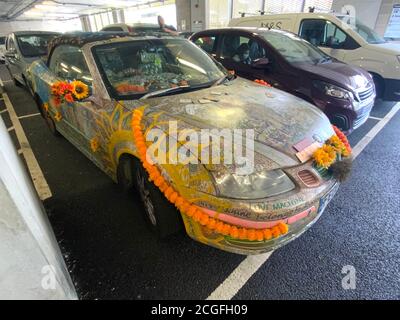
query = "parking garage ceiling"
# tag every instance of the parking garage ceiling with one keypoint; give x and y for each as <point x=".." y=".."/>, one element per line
<point x="14" y="10"/>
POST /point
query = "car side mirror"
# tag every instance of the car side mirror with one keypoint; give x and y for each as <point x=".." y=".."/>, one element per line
<point x="262" y="63"/>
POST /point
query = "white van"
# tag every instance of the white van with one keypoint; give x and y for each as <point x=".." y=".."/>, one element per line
<point x="344" y="38"/>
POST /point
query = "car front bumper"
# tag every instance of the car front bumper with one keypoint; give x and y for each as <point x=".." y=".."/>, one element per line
<point x="298" y="223"/>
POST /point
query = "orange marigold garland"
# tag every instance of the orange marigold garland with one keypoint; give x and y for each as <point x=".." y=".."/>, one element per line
<point x="262" y="82"/>
<point x="336" y="147"/>
<point x="188" y="208"/>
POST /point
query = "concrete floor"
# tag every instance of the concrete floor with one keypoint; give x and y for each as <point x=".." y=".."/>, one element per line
<point x="111" y="254"/>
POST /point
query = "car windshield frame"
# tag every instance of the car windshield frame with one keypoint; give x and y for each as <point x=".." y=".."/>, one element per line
<point x="356" y="25"/>
<point x="322" y="56"/>
<point x="114" y="94"/>
<point x="38" y="35"/>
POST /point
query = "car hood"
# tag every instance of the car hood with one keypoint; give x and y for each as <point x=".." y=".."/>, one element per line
<point x="389" y="48"/>
<point x="338" y="73"/>
<point x="279" y="120"/>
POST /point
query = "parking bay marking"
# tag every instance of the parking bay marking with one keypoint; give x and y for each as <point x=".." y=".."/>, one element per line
<point x="29" y="115"/>
<point x="36" y="173"/>
<point x="243" y="272"/>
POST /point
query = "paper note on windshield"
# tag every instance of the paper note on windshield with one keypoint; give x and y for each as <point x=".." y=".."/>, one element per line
<point x="307" y="153"/>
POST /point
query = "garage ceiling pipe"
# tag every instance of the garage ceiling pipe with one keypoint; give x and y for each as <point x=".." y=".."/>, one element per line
<point x="19" y="12"/>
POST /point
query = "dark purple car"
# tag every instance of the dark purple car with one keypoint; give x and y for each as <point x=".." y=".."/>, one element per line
<point x="345" y="93"/>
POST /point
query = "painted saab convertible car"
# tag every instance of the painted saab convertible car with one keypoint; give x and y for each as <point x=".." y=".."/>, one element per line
<point x="103" y="92"/>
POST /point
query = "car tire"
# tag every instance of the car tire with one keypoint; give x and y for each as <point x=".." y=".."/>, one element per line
<point x="160" y="215"/>
<point x="379" y="85"/>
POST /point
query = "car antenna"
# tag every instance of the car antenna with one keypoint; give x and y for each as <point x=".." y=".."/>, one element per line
<point x="311" y="9"/>
<point x="242" y="14"/>
<point x="262" y="12"/>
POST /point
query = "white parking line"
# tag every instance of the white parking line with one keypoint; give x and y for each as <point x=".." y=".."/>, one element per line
<point x="375" y="118"/>
<point x="10" y="129"/>
<point x="243" y="272"/>
<point x="3" y="111"/>
<point x="29" y="115"/>
<point x="36" y="173"/>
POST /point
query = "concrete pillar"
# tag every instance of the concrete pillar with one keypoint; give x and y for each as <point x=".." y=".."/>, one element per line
<point x="85" y="23"/>
<point x="31" y="264"/>
<point x="192" y="15"/>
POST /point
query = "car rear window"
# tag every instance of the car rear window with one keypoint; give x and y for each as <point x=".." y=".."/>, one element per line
<point x="2" y="41"/>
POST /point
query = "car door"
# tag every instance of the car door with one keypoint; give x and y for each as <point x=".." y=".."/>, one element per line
<point x="12" y="59"/>
<point x="328" y="37"/>
<point x="67" y="63"/>
<point x="207" y="42"/>
<point x="231" y="55"/>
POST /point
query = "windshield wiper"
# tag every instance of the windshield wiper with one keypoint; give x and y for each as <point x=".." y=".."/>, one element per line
<point x="226" y="77"/>
<point x="163" y="92"/>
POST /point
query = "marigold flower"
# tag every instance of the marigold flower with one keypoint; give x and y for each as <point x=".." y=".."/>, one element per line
<point x="58" y="116"/>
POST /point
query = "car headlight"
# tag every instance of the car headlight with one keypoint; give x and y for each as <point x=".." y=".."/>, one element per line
<point x="332" y="90"/>
<point x="255" y="186"/>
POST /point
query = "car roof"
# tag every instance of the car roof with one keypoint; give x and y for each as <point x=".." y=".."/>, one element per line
<point x="27" y="33"/>
<point x="133" y="25"/>
<point x="246" y="29"/>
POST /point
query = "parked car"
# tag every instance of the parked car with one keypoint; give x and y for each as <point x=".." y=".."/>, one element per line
<point x="22" y="48"/>
<point x="344" y="38"/>
<point x="104" y="92"/>
<point x="133" y="27"/>
<point x="2" y="49"/>
<point x="345" y="93"/>
<point x="185" y="34"/>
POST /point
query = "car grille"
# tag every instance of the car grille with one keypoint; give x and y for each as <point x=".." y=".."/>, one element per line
<point x="363" y="117"/>
<point x="365" y="94"/>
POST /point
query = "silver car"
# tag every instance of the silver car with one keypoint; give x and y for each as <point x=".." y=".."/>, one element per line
<point x="22" y="48"/>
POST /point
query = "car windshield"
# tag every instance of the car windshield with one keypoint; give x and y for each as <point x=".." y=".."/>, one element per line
<point x="136" y="68"/>
<point x="367" y="33"/>
<point x="294" y="49"/>
<point x="34" y="45"/>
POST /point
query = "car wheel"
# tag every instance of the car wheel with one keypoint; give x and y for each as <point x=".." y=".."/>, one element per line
<point x="379" y="85"/>
<point x="161" y="216"/>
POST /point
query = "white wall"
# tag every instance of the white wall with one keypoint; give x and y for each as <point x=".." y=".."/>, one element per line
<point x="366" y="10"/>
<point x="31" y="265"/>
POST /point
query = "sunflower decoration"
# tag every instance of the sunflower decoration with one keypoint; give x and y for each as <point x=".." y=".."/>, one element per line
<point x="46" y="107"/>
<point x="58" y="116"/>
<point x="80" y="90"/>
<point x="94" y="144"/>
